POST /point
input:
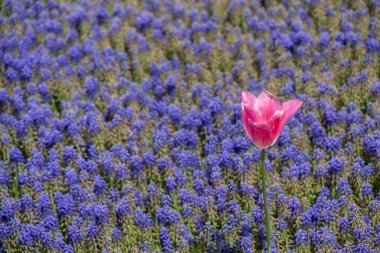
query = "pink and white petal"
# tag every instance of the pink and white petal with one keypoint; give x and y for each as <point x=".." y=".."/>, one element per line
<point x="247" y="125"/>
<point x="247" y="104"/>
<point x="267" y="95"/>
<point x="260" y="134"/>
<point x="267" y="105"/>
<point x="247" y="99"/>
<point x="248" y="113"/>
<point x="276" y="119"/>
<point x="290" y="109"/>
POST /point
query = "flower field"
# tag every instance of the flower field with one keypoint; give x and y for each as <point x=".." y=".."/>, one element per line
<point x="121" y="126"/>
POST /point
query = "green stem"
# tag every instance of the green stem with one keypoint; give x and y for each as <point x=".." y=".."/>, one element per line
<point x="266" y="208"/>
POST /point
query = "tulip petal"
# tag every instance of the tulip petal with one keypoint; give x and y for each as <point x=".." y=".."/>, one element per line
<point x="247" y="99"/>
<point x="290" y="109"/>
<point x="260" y="133"/>
<point x="266" y="105"/>
<point x="267" y="95"/>
<point x="276" y="119"/>
<point x="247" y="104"/>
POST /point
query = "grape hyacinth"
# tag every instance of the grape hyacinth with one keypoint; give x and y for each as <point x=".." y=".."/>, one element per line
<point x="124" y="127"/>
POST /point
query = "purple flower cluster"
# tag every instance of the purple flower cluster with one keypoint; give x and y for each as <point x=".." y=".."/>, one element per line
<point x="121" y="126"/>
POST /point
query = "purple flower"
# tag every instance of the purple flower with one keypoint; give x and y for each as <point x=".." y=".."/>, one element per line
<point x="44" y="204"/>
<point x="367" y="190"/>
<point x="123" y="208"/>
<point x="100" y="186"/>
<point x="143" y="220"/>
<point x="322" y="236"/>
<point x="75" y="235"/>
<point x="301" y="237"/>
<point x="69" y="154"/>
<point x="92" y="231"/>
<point x="51" y="223"/>
<point x="166" y="242"/>
<point x="167" y="216"/>
<point x="335" y="166"/>
<point x="16" y="156"/>
<point x="72" y="177"/>
<point x="5" y="232"/>
<point x="116" y="234"/>
<point x="65" y="204"/>
<point x="344" y="187"/>
<point x="92" y="86"/>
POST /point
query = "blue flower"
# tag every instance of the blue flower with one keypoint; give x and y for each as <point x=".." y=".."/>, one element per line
<point x="167" y="216"/>
<point x="335" y="166"/>
<point x="166" y="242"/>
<point x="123" y="208"/>
<point x="100" y="186"/>
<point x="92" y="231"/>
<point x="65" y="204"/>
<point x="16" y="156"/>
<point x="92" y="86"/>
<point x="367" y="190"/>
<point x="143" y="220"/>
<point x="75" y="235"/>
<point x="344" y="187"/>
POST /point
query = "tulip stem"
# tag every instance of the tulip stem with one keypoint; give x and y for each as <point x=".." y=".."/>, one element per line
<point x="266" y="208"/>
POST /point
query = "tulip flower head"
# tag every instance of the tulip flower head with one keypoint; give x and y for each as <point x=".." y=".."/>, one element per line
<point x="264" y="117"/>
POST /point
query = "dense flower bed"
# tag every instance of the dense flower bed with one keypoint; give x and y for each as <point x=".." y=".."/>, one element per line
<point x="121" y="125"/>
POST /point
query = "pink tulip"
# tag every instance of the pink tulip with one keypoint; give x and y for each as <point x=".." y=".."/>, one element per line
<point x="264" y="117"/>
